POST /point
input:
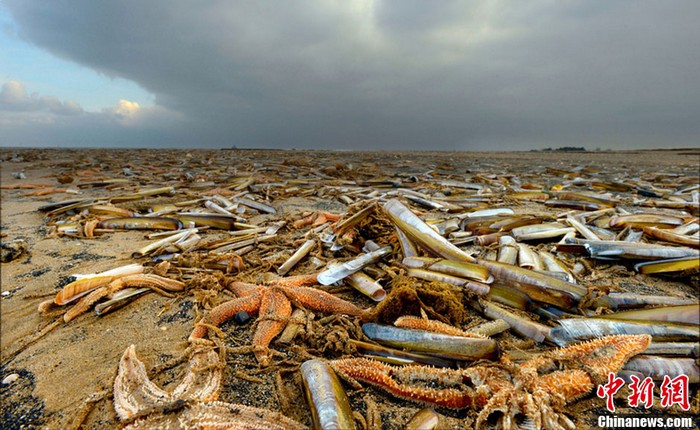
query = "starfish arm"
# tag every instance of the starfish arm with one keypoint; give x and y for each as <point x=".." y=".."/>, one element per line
<point x="154" y="282"/>
<point x="389" y="378"/>
<point x="242" y="289"/>
<point x="84" y="304"/>
<point x="275" y="310"/>
<point x="603" y="355"/>
<point x="203" y="377"/>
<point x="134" y="393"/>
<point x="226" y="311"/>
<point x="571" y="384"/>
<point x="433" y="326"/>
<point x="296" y="281"/>
<point x="322" y="301"/>
<point x="220" y="415"/>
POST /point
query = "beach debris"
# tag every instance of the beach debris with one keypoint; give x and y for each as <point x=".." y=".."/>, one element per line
<point x="13" y="250"/>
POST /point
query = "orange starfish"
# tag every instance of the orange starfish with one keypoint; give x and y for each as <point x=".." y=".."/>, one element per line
<point x="273" y="303"/>
<point x="532" y="393"/>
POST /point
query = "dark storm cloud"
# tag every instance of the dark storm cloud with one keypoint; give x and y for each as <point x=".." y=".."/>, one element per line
<point x="391" y="74"/>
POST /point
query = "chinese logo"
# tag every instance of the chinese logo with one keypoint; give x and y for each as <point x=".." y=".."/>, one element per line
<point x="673" y="391"/>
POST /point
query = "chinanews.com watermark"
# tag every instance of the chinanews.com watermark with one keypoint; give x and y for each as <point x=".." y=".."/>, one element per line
<point x="672" y="391"/>
<point x="644" y="422"/>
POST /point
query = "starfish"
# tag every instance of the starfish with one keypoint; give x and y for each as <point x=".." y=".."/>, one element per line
<point x="532" y="393"/>
<point x="87" y="291"/>
<point x="273" y="304"/>
<point x="192" y="405"/>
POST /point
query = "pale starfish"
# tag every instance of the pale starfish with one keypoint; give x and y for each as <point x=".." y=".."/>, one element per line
<point x="532" y="393"/>
<point x="273" y="303"/>
<point x="192" y="404"/>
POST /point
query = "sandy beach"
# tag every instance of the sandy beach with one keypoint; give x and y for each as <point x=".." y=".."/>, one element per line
<point x="65" y="371"/>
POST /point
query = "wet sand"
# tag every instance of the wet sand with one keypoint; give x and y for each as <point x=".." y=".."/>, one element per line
<point x="66" y="376"/>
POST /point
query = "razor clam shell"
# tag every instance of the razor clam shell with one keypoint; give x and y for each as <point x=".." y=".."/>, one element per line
<point x="687" y="314"/>
<point x="425" y="419"/>
<point x="407" y="246"/>
<point x="526" y="327"/>
<point x="300" y="253"/>
<point x="367" y="286"/>
<point x="490" y="328"/>
<point x="691" y="349"/>
<point x="396" y="356"/>
<point x="162" y="242"/>
<point x="429" y="275"/>
<point x="669" y="265"/>
<point x="121" y="298"/>
<point x="629" y="300"/>
<point x="582" y="228"/>
<point x="528" y="258"/>
<point x="260" y="207"/>
<point x="536" y="228"/>
<point x="421" y="233"/>
<point x="659" y="367"/>
<point x="634" y="250"/>
<point x="141" y="223"/>
<point x="442" y="345"/>
<point x="536" y="285"/>
<point x="330" y="407"/>
<point x="450" y="267"/>
<point x="220" y="221"/>
<point x="508" y="253"/>
<point x="576" y="329"/>
<point x="338" y="272"/>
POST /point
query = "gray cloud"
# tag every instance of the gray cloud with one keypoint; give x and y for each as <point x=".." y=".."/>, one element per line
<point x="391" y="74"/>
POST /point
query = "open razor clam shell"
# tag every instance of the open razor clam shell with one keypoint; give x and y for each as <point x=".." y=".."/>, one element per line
<point x="442" y="345"/>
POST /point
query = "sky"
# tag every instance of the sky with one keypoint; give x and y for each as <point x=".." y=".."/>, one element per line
<point x="350" y="75"/>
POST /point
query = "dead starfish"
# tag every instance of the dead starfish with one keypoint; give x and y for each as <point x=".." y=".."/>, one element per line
<point x="273" y="303"/>
<point x="89" y="290"/>
<point x="532" y="393"/>
<point x="192" y="404"/>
